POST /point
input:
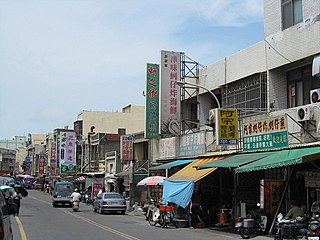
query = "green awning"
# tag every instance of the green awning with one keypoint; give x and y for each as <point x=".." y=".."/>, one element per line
<point x="172" y="164"/>
<point x="281" y="158"/>
<point x="235" y="161"/>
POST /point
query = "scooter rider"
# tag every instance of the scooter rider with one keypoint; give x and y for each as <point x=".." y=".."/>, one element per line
<point x="76" y="196"/>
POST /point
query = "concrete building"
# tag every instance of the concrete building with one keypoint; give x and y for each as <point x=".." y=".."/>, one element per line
<point x="130" y="120"/>
<point x="271" y="78"/>
<point x="36" y="150"/>
<point x="98" y="135"/>
<point x="272" y="75"/>
<point x="13" y="144"/>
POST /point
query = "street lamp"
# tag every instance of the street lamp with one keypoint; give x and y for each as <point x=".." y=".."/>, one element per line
<point x="199" y="86"/>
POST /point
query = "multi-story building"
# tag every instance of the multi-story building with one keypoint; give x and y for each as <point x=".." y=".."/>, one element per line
<point x="18" y="144"/>
<point x="35" y="152"/>
<point x="275" y="77"/>
<point x="98" y="135"/>
<point x="273" y="74"/>
<point x="13" y="144"/>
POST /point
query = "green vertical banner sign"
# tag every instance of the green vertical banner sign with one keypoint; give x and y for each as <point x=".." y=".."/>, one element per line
<point x="152" y="101"/>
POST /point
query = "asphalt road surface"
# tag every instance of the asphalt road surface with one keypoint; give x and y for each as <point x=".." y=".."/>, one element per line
<point x="38" y="220"/>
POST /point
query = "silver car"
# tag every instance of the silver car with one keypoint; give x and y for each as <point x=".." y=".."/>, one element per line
<point x="109" y="201"/>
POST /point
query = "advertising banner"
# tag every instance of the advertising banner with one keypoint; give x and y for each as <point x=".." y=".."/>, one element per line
<point x="152" y="102"/>
<point x="67" y="152"/>
<point x="226" y="126"/>
<point x="41" y="165"/>
<point x="170" y="93"/>
<point x="53" y="158"/>
<point x="96" y="188"/>
<point x="192" y="144"/>
<point x="265" y="134"/>
<point x="126" y="147"/>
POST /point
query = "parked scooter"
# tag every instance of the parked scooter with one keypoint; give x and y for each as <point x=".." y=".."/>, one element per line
<point x="148" y="207"/>
<point x="252" y="225"/>
<point x="293" y="229"/>
<point x="313" y="232"/>
<point x="75" y="206"/>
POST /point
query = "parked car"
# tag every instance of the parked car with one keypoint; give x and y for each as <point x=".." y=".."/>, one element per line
<point x="109" y="201"/>
<point x="5" y="221"/>
<point x="28" y="182"/>
<point x="61" y="193"/>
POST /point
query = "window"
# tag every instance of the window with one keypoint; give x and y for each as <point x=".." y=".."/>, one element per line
<point x="122" y="131"/>
<point x="291" y="13"/>
<point x="300" y="82"/>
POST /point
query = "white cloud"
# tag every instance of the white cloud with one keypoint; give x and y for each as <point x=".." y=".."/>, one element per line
<point x="232" y="12"/>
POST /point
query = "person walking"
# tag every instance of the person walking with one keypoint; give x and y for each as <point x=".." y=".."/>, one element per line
<point x="188" y="214"/>
<point x="16" y="200"/>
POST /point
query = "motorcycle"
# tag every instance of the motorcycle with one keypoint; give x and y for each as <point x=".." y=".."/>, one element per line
<point x="292" y="229"/>
<point x="75" y="206"/>
<point x="314" y="224"/>
<point x="148" y="207"/>
<point x="252" y="225"/>
<point x="86" y="199"/>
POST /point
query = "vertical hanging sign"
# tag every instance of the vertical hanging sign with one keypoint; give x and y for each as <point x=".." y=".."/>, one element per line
<point x="126" y="148"/>
<point x="170" y="93"/>
<point x="226" y="126"/>
<point x="152" y="102"/>
<point x="53" y="158"/>
<point x="67" y="152"/>
<point x="41" y="165"/>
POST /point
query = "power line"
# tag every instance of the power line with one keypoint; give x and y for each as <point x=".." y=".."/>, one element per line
<point x="277" y="51"/>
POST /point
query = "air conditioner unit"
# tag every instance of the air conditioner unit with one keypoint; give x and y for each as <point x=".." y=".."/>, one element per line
<point x="212" y="117"/>
<point x="304" y="113"/>
<point x="315" y="95"/>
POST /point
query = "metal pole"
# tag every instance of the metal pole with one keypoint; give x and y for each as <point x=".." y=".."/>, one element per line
<point x="199" y="86"/>
<point x="81" y="164"/>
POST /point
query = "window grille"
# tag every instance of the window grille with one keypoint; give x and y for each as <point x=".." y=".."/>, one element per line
<point x="248" y="95"/>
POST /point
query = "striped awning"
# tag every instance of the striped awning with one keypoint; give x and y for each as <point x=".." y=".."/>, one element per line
<point x="190" y="173"/>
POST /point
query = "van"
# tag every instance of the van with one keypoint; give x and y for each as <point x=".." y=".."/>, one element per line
<point x="61" y="193"/>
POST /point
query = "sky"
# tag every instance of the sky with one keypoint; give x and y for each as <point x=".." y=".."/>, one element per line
<point x="60" y="57"/>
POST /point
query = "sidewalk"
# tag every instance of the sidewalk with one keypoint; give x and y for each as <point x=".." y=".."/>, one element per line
<point x="225" y="229"/>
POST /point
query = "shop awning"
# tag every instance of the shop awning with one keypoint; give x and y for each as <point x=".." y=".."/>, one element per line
<point x="235" y="161"/>
<point x="282" y="158"/>
<point x="172" y="164"/>
<point x="189" y="173"/>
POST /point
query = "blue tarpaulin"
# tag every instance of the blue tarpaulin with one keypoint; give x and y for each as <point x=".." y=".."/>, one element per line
<point x="178" y="192"/>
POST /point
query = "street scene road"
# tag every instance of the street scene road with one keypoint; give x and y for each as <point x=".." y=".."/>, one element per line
<point x="39" y="220"/>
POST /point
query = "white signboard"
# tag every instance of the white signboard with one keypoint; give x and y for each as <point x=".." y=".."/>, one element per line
<point x="192" y="144"/>
<point x="170" y="93"/>
<point x="67" y="152"/>
<point x="167" y="147"/>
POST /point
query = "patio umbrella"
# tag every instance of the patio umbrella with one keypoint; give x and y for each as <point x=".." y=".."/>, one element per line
<point x="151" y="181"/>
